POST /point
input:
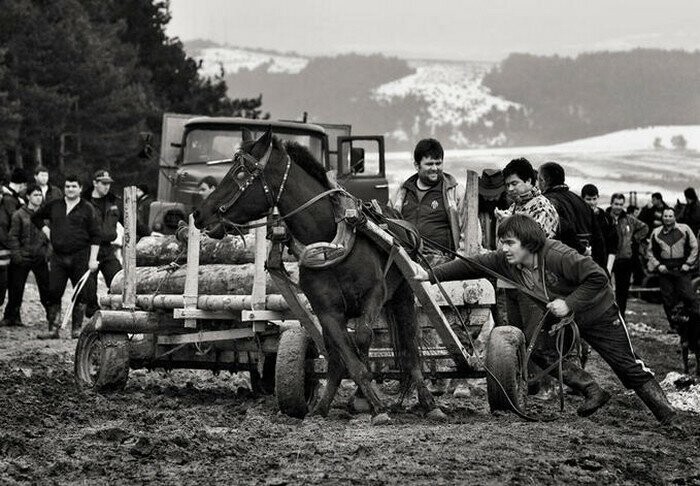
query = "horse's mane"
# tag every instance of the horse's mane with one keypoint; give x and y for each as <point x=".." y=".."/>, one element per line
<point x="306" y="161"/>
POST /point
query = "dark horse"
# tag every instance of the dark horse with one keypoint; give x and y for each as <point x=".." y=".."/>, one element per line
<point x="267" y="173"/>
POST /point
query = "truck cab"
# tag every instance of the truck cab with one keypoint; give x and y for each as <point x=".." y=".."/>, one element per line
<point x="196" y="147"/>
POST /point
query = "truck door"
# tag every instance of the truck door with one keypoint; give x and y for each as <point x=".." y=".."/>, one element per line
<point x="361" y="167"/>
<point x="170" y="147"/>
<point x="334" y="130"/>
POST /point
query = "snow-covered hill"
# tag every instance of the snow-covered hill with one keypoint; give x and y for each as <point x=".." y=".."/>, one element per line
<point x="233" y="59"/>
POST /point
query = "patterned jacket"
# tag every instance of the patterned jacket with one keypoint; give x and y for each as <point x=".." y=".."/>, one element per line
<point x="539" y="208"/>
<point x="673" y="247"/>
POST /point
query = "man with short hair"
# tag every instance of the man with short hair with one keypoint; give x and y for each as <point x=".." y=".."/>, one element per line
<point x="108" y="209"/>
<point x="49" y="192"/>
<point x="652" y="213"/>
<point x="673" y="253"/>
<point x="630" y="232"/>
<point x="10" y="201"/>
<point x="578" y="226"/>
<point x="431" y="199"/>
<point x="690" y="212"/>
<point x="207" y="186"/>
<point x="75" y="238"/>
<point x="572" y="283"/>
<point x="590" y="194"/>
<point x="30" y="248"/>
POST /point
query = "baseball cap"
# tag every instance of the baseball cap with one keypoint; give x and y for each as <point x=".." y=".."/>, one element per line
<point x="102" y="175"/>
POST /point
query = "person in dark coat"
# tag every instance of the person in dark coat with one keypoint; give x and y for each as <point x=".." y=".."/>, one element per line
<point x="143" y="210"/>
<point x="590" y="194"/>
<point x="30" y="248"/>
<point x="10" y="201"/>
<point x="578" y="226"/>
<point x="690" y="213"/>
<point x="48" y="191"/>
<point x="652" y="213"/>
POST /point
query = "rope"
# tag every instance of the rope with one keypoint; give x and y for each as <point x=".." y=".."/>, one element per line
<point x="74" y="298"/>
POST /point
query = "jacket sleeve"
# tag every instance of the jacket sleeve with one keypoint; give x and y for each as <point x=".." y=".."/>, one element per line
<point x="93" y="225"/>
<point x="652" y="257"/>
<point x="5" y="220"/>
<point x="463" y="270"/>
<point x="15" y="233"/>
<point x="588" y="277"/>
<point x="639" y="229"/>
<point x="612" y="243"/>
<point x="693" y="245"/>
<point x="41" y="215"/>
<point x="397" y="202"/>
<point x="599" y="252"/>
<point x="548" y="219"/>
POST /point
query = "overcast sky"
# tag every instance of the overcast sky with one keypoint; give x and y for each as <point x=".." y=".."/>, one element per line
<point x="446" y="29"/>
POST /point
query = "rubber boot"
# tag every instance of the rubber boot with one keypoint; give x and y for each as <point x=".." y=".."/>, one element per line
<point x="52" y="314"/>
<point x="77" y="320"/>
<point x="655" y="399"/>
<point x="582" y="381"/>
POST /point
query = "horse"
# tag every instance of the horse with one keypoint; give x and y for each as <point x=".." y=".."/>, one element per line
<point x="268" y="173"/>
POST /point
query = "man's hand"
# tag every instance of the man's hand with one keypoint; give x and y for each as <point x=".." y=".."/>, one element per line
<point x="559" y="308"/>
<point x="420" y="273"/>
<point x="47" y="232"/>
<point x="93" y="265"/>
<point x="501" y="213"/>
<point x="685" y="268"/>
<point x="662" y="269"/>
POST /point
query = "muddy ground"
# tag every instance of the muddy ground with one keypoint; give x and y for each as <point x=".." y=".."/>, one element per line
<point x="194" y="428"/>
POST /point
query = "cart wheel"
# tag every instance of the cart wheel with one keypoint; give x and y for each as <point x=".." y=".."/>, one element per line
<point x="265" y="384"/>
<point x="505" y="357"/>
<point x="102" y="361"/>
<point x="295" y="386"/>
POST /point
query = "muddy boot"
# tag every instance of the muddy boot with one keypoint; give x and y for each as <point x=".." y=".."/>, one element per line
<point x="655" y="399"/>
<point x="52" y="313"/>
<point x="77" y="320"/>
<point x="581" y="381"/>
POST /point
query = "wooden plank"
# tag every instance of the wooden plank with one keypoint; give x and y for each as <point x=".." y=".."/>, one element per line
<point x="224" y="315"/>
<point x="259" y="288"/>
<point x="129" y="248"/>
<point x="204" y="302"/>
<point x="208" y="336"/>
<point x="423" y="294"/>
<point x="192" y="277"/>
<point x="134" y="322"/>
<point x="471" y="214"/>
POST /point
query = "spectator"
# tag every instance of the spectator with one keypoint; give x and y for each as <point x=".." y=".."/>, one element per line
<point x="49" y="192"/>
<point x="30" y="248"/>
<point x="108" y="210"/>
<point x="690" y="212"/>
<point x="143" y="210"/>
<point x="207" y="186"/>
<point x="10" y="201"/>
<point x="630" y="231"/>
<point x="673" y="253"/>
<point x="431" y="200"/>
<point x="492" y="195"/>
<point x="75" y="235"/>
<point x="590" y="194"/>
<point x="578" y="226"/>
<point x="652" y="213"/>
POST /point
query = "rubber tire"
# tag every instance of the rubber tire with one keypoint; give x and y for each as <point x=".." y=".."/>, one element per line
<point x="265" y="384"/>
<point x="294" y="388"/>
<point x="505" y="355"/>
<point x="109" y="353"/>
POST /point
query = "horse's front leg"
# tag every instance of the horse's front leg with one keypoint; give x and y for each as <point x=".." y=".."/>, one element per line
<point x="336" y="371"/>
<point x="363" y="341"/>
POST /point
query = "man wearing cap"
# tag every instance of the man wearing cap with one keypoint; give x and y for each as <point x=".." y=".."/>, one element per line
<point x="10" y="202"/>
<point x="108" y="208"/>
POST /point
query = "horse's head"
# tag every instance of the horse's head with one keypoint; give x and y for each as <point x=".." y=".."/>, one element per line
<point x="243" y="195"/>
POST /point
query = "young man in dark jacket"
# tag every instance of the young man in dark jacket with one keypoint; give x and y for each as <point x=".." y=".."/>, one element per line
<point x="571" y="283"/>
<point x="30" y="248"/>
<point x="49" y="191"/>
<point x="75" y="238"/>
<point x="108" y="209"/>
<point x="10" y="201"/>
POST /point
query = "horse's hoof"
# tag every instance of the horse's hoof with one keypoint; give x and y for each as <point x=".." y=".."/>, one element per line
<point x="436" y="415"/>
<point x="360" y="405"/>
<point x="381" y="419"/>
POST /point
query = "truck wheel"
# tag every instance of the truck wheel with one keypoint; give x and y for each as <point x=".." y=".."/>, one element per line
<point x="295" y="384"/>
<point x="505" y="357"/>
<point x="265" y="384"/>
<point x="102" y="361"/>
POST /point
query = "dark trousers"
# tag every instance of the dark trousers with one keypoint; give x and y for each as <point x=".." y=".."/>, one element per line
<point x="68" y="267"/>
<point x="3" y="282"/>
<point x="678" y="287"/>
<point x="622" y="270"/>
<point x="109" y="266"/>
<point x="17" y="280"/>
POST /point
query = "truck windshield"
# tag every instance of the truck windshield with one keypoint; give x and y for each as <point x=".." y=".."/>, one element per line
<point x="206" y="145"/>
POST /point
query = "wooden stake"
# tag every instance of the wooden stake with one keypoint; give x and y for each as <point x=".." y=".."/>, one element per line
<point x="471" y="214"/>
<point x="129" y="248"/>
<point x="192" y="275"/>
<point x="259" y="287"/>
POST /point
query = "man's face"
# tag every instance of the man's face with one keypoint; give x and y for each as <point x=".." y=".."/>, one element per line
<point x="21" y="187"/>
<point x="668" y="218"/>
<point x="617" y="206"/>
<point x="429" y="170"/>
<point x="514" y="251"/>
<point x="656" y="202"/>
<point x="71" y="190"/>
<point x="35" y="198"/>
<point x="205" y="189"/>
<point x="42" y="178"/>
<point x="515" y="186"/>
<point x="101" y="187"/>
<point x="541" y="182"/>
<point x="592" y="201"/>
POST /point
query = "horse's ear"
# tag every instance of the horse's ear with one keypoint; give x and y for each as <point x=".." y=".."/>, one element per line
<point x="247" y="135"/>
<point x="262" y="144"/>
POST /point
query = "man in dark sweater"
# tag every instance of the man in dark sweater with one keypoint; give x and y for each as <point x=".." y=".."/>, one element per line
<point x="10" y="201"/>
<point x="572" y="283"/>
<point x="75" y="238"/>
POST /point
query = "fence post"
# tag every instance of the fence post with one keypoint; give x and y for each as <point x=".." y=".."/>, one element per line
<point x="129" y="248"/>
<point x="192" y="273"/>
<point x="471" y="214"/>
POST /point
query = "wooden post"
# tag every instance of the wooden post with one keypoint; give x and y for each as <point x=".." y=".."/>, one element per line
<point x="471" y="214"/>
<point x="192" y="274"/>
<point x="129" y="248"/>
<point x="260" y="277"/>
